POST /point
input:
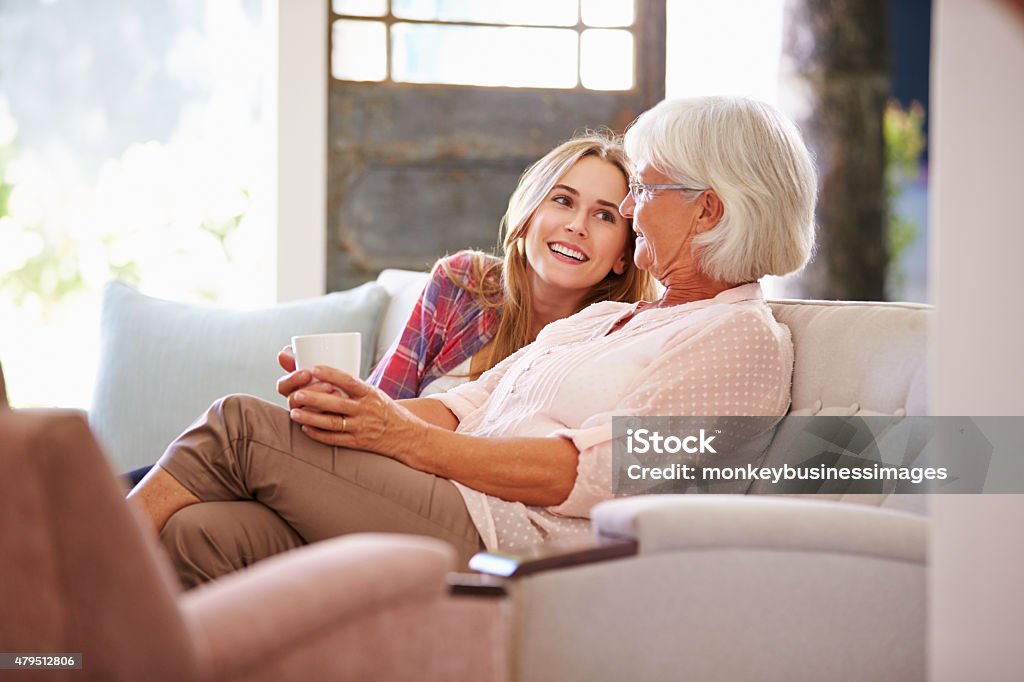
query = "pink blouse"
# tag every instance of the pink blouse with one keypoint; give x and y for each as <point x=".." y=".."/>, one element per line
<point x="718" y="357"/>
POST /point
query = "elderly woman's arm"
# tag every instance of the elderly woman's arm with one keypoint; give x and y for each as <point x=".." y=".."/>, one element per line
<point x="420" y="433"/>
<point x="534" y="471"/>
<point x="433" y="412"/>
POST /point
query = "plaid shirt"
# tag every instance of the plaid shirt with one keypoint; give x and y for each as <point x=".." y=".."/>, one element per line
<point x="447" y="326"/>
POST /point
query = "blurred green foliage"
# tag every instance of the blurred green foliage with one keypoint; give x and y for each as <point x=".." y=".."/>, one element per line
<point x="6" y="154"/>
<point x="222" y="230"/>
<point x="54" y="270"/>
<point x="903" y="130"/>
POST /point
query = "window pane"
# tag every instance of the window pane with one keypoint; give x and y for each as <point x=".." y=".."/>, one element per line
<point x="360" y="8"/>
<point x="607" y="12"/>
<point x="484" y="55"/>
<point x="359" y="50"/>
<point x="529" y="12"/>
<point x="607" y="59"/>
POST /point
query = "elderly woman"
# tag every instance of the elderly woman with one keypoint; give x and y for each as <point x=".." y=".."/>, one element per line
<point x="725" y="194"/>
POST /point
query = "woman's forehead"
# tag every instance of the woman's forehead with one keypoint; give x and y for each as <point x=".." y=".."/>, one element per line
<point x="590" y="166"/>
<point x="651" y="173"/>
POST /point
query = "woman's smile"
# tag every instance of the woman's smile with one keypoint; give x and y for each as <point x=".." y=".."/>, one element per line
<point x="568" y="253"/>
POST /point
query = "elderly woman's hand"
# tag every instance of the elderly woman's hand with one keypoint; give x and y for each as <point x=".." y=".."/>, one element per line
<point x="295" y="380"/>
<point x="364" y="417"/>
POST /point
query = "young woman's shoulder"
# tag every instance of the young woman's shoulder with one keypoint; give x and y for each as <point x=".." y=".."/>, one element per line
<point x="474" y="271"/>
<point x="467" y="262"/>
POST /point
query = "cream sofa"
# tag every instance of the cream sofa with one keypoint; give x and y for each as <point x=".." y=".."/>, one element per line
<point x="741" y="587"/>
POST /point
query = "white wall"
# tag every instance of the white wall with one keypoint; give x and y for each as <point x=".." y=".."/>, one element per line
<point x="744" y="37"/>
<point x="977" y="206"/>
<point x="300" y="106"/>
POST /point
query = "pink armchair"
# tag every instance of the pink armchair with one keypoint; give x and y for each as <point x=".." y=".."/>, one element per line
<point x="81" y="574"/>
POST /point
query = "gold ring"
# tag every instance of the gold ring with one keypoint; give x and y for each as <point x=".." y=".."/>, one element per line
<point x="344" y="424"/>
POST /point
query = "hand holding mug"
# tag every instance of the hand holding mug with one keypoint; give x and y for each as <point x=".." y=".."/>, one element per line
<point x="342" y="351"/>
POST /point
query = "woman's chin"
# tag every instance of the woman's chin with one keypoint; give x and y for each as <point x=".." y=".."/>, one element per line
<point x="642" y="257"/>
<point x="564" y="278"/>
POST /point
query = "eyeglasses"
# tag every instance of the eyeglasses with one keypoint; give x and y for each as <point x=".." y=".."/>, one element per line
<point x="642" y="193"/>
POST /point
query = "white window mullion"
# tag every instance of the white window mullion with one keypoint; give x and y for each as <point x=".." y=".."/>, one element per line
<point x="300" y="112"/>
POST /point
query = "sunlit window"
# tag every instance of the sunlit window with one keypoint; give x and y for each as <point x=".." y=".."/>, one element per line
<point x="560" y="44"/>
<point x="133" y="145"/>
<point x="606" y="13"/>
<point x="424" y="53"/>
<point x="605" y="62"/>
<point x="360" y="50"/>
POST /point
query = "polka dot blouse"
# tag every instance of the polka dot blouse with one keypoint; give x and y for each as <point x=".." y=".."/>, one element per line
<point x="723" y="356"/>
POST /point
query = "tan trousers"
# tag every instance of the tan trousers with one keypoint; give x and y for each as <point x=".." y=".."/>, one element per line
<point x="266" y="487"/>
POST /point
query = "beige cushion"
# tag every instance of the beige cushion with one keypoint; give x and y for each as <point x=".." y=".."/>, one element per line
<point x="857" y="358"/>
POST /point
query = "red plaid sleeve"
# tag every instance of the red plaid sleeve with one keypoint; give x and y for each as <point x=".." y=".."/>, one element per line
<point x="447" y="326"/>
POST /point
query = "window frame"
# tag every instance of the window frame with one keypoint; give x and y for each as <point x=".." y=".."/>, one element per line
<point x="388" y="19"/>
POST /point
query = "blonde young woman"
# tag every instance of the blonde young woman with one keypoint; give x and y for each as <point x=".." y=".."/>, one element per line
<point x="565" y="246"/>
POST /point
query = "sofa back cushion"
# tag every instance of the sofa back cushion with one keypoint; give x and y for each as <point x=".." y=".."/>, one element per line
<point x="163" y="363"/>
<point x="854" y="359"/>
<point x="857" y="358"/>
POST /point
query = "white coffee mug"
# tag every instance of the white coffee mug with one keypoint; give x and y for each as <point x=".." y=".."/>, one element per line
<point x="341" y="351"/>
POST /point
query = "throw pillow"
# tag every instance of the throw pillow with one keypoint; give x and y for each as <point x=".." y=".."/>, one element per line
<point x="163" y="363"/>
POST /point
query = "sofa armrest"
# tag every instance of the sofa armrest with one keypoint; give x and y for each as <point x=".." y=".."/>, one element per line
<point x="660" y="523"/>
<point x="732" y="588"/>
<point x="254" y="615"/>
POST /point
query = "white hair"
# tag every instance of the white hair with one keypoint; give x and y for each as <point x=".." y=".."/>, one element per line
<point x="755" y="160"/>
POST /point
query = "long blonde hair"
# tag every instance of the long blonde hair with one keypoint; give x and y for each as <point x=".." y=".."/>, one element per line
<point x="504" y="284"/>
